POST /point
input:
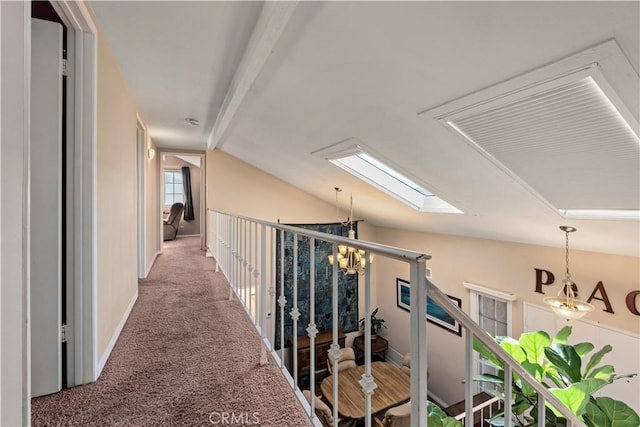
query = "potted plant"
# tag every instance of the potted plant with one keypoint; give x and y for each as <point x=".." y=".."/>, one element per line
<point x="376" y="324"/>
<point x="568" y="372"/>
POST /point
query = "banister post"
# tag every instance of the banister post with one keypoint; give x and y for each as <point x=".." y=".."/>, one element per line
<point x="418" y="333"/>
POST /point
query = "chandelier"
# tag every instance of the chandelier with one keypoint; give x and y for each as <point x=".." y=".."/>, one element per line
<point x="350" y="260"/>
<point x="567" y="305"/>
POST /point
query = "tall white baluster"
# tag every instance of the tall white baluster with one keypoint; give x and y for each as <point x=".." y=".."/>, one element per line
<point x="312" y="329"/>
<point x="334" y="348"/>
<point x="245" y="263"/>
<point x="508" y="396"/>
<point x="250" y="270"/>
<point x="367" y="382"/>
<point x="263" y="281"/>
<point x="272" y="289"/>
<point x="418" y="334"/>
<point x="295" y="313"/>
<point x="256" y="273"/>
<point x="282" y="300"/>
<point x="468" y="385"/>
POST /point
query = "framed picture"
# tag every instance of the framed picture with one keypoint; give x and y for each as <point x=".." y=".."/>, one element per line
<point x="402" y="294"/>
<point x="435" y="314"/>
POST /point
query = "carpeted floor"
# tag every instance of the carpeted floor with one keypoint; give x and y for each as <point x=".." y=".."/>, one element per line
<point x="187" y="356"/>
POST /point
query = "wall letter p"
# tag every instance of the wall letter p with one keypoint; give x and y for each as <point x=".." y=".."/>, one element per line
<point x="543" y="277"/>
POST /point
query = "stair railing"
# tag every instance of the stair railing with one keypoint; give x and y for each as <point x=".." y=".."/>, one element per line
<point x="244" y="250"/>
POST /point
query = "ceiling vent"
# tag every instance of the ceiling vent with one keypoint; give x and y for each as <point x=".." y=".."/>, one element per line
<point x="568" y="139"/>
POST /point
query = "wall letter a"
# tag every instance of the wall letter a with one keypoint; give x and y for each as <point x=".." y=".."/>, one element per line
<point x="603" y="294"/>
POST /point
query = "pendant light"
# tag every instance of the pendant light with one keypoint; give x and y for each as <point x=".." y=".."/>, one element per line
<point x="350" y="260"/>
<point x="566" y="304"/>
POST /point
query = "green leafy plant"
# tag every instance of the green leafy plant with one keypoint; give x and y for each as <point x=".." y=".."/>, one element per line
<point x="376" y="324"/>
<point x="436" y="417"/>
<point x="568" y="372"/>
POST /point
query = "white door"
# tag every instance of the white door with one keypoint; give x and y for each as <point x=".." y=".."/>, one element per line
<point x="45" y="198"/>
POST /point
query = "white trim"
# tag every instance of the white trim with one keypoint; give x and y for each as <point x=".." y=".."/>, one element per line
<point x="141" y="161"/>
<point x="116" y="334"/>
<point x="153" y="261"/>
<point x="0" y="211"/>
<point x="78" y="19"/>
<point x="203" y="190"/>
<point x="494" y="293"/>
<point x="15" y="39"/>
<point x="474" y="312"/>
<point x="394" y="357"/>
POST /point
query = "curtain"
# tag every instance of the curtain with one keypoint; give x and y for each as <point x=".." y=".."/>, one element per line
<point x="188" y="200"/>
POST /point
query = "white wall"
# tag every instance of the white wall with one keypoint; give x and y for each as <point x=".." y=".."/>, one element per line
<point x="116" y="200"/>
<point x="14" y="263"/>
<point x="504" y="266"/>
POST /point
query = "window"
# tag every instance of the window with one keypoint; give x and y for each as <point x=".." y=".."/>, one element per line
<point x="172" y="187"/>
<point x="491" y="309"/>
<point x="351" y="156"/>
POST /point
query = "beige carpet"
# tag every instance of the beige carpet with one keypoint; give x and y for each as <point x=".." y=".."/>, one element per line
<point x="186" y="357"/>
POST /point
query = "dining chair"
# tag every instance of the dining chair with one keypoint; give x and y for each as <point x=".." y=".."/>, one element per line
<point x="324" y="414"/>
<point x="398" y="416"/>
<point x="347" y="360"/>
<point x="406" y="365"/>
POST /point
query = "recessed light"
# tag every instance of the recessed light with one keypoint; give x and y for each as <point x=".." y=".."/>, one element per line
<point x="192" y="121"/>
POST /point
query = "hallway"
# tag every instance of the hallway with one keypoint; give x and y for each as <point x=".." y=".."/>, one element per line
<point x="186" y="357"/>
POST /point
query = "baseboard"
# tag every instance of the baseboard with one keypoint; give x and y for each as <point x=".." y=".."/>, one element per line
<point x="394" y="357"/>
<point x="151" y="264"/>
<point x="187" y="235"/>
<point x="115" y="336"/>
<point x="435" y="399"/>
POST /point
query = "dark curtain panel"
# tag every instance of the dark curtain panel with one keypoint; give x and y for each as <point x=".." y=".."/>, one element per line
<point x="188" y="200"/>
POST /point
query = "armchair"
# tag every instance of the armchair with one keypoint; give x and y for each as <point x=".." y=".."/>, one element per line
<point x="171" y="224"/>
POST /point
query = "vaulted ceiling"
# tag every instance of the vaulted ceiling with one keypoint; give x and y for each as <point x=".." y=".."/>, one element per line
<point x="270" y="83"/>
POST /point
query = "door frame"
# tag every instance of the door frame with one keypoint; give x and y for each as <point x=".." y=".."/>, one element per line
<point x="203" y="190"/>
<point x="141" y="152"/>
<point x="15" y="74"/>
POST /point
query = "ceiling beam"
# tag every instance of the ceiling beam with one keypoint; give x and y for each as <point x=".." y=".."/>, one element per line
<point x="271" y="23"/>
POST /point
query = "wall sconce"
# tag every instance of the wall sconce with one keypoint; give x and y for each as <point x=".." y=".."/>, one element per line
<point x="151" y="153"/>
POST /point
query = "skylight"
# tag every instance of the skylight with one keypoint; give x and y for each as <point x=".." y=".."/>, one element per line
<point x="562" y="132"/>
<point x="374" y="171"/>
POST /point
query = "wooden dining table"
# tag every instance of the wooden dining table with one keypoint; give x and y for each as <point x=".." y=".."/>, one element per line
<point x="394" y="388"/>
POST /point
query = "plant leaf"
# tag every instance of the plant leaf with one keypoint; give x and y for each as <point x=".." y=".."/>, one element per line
<point x="594" y="384"/>
<point x="533" y="343"/>
<point x="435" y="410"/>
<point x="605" y="372"/>
<point x="616" y="413"/>
<point x="596" y="358"/>
<point x="575" y="397"/>
<point x="514" y="349"/>
<point x="566" y="360"/>
<point x="552" y="373"/>
<point x="583" y="348"/>
<point x="562" y="335"/>
<point x="489" y="378"/>
<point x="488" y="354"/>
<point x="451" y="422"/>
